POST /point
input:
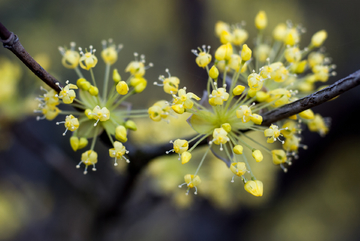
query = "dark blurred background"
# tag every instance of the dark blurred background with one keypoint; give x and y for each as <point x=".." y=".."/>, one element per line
<point x="43" y="196"/>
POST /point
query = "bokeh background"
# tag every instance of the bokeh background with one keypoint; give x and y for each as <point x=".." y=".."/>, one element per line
<point x="43" y="196"/>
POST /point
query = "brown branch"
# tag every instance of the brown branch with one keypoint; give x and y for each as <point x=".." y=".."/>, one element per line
<point x="11" y="42"/>
<point x="312" y="100"/>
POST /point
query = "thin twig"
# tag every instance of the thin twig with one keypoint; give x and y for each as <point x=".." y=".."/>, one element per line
<point x="11" y="42"/>
<point x="313" y="99"/>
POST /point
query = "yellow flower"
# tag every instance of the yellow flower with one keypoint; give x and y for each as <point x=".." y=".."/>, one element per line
<point x="254" y="187"/>
<point x="203" y="57"/>
<point x="88" y="60"/>
<point x="110" y="53"/>
<point x="191" y="181"/>
<point x="71" y="123"/>
<point x="118" y="152"/>
<point x="218" y="96"/>
<point x="67" y="94"/>
<point x="255" y="81"/>
<point x="278" y="157"/>
<point x="88" y="158"/>
<point x="70" y="58"/>
<point x="183" y="101"/>
<point x="238" y="168"/>
<point x="160" y="110"/>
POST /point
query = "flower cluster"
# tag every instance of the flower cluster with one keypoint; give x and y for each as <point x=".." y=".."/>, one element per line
<point x="244" y="83"/>
<point x="96" y="113"/>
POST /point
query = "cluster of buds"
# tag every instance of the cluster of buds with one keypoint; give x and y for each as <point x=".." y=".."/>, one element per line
<point x="96" y="113"/>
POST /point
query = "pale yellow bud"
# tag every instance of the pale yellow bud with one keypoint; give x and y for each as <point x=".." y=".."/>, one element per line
<point x="261" y="20"/>
<point x="238" y="149"/>
<point x="93" y="91"/>
<point x="318" y="38"/>
<point x="246" y="53"/>
<point x="257" y="155"/>
<point x="213" y="72"/>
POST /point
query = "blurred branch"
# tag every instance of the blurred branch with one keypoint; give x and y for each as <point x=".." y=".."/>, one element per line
<point x="11" y="42"/>
<point x="312" y="100"/>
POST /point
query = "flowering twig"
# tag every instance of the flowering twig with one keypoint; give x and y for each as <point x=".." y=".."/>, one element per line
<point x="11" y="42"/>
<point x="312" y="100"/>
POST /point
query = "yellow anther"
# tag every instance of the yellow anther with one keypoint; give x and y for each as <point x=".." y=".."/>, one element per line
<point x="254" y="187"/>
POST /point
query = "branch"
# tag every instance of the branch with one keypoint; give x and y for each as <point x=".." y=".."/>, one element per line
<point x="11" y="42"/>
<point x="312" y="100"/>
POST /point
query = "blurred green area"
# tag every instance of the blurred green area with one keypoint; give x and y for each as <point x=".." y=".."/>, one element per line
<point x="316" y="200"/>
